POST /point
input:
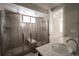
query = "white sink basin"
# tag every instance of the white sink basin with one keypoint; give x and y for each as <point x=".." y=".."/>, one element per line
<point x="61" y="48"/>
<point x="54" y="50"/>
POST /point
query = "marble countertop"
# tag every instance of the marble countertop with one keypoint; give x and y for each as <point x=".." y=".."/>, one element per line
<point x="47" y="50"/>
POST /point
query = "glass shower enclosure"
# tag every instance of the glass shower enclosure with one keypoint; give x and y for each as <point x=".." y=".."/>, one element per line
<point x="19" y="31"/>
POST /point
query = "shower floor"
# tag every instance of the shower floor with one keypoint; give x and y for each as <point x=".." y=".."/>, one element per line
<point x="18" y="51"/>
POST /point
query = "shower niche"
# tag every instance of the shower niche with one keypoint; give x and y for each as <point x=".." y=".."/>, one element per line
<point x="18" y="34"/>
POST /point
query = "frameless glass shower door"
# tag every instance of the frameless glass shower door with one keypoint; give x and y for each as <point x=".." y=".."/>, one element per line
<point x="12" y="33"/>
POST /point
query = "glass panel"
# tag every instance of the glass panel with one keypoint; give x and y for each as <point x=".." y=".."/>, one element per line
<point x="33" y="20"/>
<point x="61" y="26"/>
<point x="13" y="34"/>
<point x="26" y="19"/>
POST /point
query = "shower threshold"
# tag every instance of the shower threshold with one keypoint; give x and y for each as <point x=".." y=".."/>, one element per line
<point x="18" y="51"/>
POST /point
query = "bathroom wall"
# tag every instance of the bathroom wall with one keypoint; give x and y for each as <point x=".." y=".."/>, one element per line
<point x="71" y="20"/>
<point x="54" y="25"/>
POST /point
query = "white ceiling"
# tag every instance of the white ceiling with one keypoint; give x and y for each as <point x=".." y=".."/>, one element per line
<point x="47" y="6"/>
<point x="41" y="7"/>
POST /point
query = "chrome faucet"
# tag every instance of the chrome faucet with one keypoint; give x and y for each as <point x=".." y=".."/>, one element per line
<point x="75" y="52"/>
<point x="72" y="40"/>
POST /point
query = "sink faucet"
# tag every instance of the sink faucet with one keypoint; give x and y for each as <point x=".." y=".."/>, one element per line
<point x="75" y="52"/>
<point x="72" y="40"/>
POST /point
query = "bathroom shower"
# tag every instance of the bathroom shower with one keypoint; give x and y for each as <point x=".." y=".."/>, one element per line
<point x="22" y="33"/>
